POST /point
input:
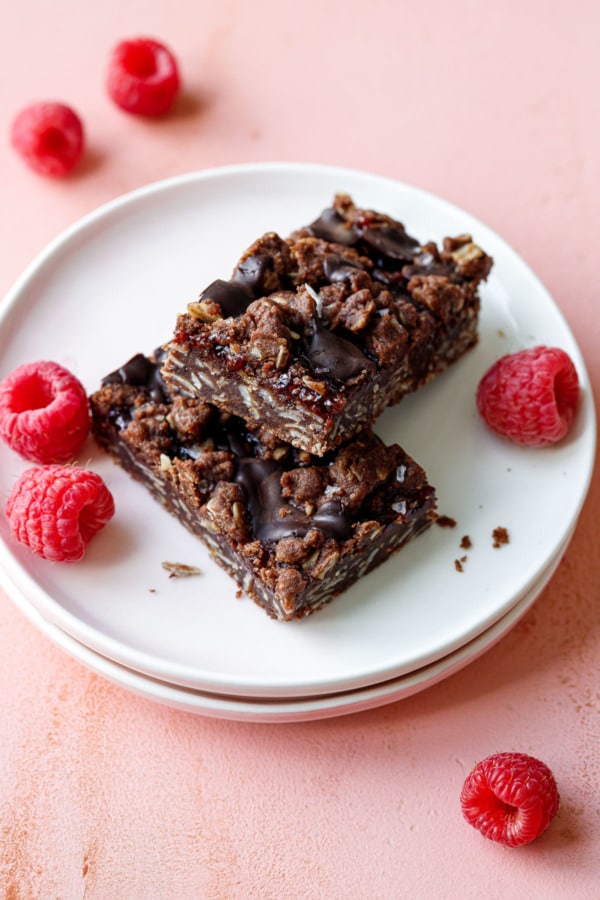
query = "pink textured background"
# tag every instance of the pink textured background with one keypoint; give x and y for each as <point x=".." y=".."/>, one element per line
<point x="104" y="795"/>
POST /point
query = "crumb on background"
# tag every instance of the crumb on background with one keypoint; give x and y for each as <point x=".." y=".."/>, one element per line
<point x="446" y="522"/>
<point x="180" y="570"/>
<point x="500" y="537"/>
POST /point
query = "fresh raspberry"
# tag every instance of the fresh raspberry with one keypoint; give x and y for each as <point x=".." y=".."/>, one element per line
<point x="44" y="412"/>
<point x="143" y="77"/>
<point x="57" y="510"/>
<point x="510" y="798"/>
<point x="49" y="137"/>
<point x="530" y="397"/>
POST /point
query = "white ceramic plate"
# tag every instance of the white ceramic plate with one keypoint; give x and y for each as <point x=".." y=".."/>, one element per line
<point x="288" y="709"/>
<point x="112" y="286"/>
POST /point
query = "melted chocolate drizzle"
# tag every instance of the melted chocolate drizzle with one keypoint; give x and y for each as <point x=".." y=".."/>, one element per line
<point x="273" y="517"/>
<point x="333" y="521"/>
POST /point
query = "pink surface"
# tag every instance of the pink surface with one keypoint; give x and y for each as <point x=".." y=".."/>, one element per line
<point x="105" y="795"/>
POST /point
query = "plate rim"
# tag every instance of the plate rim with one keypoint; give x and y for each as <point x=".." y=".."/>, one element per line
<point x="285" y="710"/>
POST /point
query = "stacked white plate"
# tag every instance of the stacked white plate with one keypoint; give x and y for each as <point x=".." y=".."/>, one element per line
<point x="111" y="287"/>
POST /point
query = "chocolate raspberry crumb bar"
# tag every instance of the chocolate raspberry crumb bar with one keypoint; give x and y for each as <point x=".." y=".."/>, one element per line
<point x="313" y="336"/>
<point x="293" y="529"/>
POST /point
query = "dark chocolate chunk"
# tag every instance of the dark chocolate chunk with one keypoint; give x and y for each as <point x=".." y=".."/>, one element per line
<point x="391" y="241"/>
<point x="339" y="269"/>
<point x="334" y="356"/>
<point x="332" y="227"/>
<point x="232" y="298"/>
<point x="139" y="371"/>
<point x="249" y="274"/>
<point x="427" y="264"/>
<point x="246" y="285"/>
